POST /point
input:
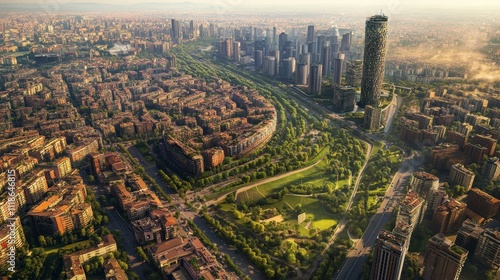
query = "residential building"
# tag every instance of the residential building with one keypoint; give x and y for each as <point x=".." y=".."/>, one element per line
<point x="388" y="257"/>
<point x="448" y="217"/>
<point x="488" y="248"/>
<point x="443" y="259"/>
<point x="459" y="175"/>
<point x="482" y="203"/>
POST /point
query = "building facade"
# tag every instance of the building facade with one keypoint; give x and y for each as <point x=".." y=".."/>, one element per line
<point x="376" y="33"/>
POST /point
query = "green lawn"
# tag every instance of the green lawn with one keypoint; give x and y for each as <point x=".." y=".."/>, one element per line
<point x="317" y="214"/>
<point x="377" y="146"/>
<point x="250" y="195"/>
<point x="54" y="249"/>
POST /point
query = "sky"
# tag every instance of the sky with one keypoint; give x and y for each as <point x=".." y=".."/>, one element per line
<point x="422" y="3"/>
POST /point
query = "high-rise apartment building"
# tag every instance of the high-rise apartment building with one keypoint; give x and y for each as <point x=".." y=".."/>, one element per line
<point x="411" y="209"/>
<point x="491" y="169"/>
<point x="448" y="217"/>
<point x="488" y="248"/>
<point x="376" y="32"/>
<point x="459" y="175"/>
<point x="422" y="183"/>
<point x="388" y="257"/>
<point x="482" y="203"/>
<point x="468" y="235"/>
<point x="443" y="259"/>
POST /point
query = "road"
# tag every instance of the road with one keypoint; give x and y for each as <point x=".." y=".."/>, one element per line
<point x="356" y="257"/>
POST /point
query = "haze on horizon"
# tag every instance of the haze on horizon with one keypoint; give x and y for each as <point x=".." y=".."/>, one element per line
<point x="261" y="3"/>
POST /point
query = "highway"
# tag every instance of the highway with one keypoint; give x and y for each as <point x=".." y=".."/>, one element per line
<point x="356" y="257"/>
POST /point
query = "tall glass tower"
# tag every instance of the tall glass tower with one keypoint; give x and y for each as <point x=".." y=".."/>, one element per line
<point x="374" y="59"/>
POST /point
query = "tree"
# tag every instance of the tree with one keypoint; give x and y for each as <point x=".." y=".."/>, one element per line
<point x="42" y="241"/>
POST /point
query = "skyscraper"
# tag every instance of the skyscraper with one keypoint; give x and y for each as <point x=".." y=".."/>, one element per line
<point x="337" y="68"/>
<point x="325" y="60"/>
<point x="176" y="31"/>
<point x="443" y="259"/>
<point x="258" y="59"/>
<point x="275" y="36"/>
<point x="282" y="42"/>
<point x="315" y="79"/>
<point x="269" y="65"/>
<point x="236" y="52"/>
<point x="310" y="33"/>
<point x="287" y="68"/>
<point x="388" y="256"/>
<point x="374" y="59"/>
<point x="301" y="74"/>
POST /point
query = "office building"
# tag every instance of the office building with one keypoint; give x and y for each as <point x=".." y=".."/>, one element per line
<point x="337" y="68"/>
<point x="376" y="32"/>
<point x="488" y="248"/>
<point x="448" y="217"/>
<point x="422" y="183"/>
<point x="315" y="79"/>
<point x="283" y="38"/>
<point x="388" y="257"/>
<point x="459" y="175"/>
<point x="482" y="203"/>
<point x="443" y="259"/>
<point x="310" y="33"/>
<point x="176" y="31"/>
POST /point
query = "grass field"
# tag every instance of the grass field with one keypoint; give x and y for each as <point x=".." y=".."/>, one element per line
<point x="54" y="249"/>
<point x="250" y="195"/>
<point x="377" y="146"/>
<point x="314" y="211"/>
